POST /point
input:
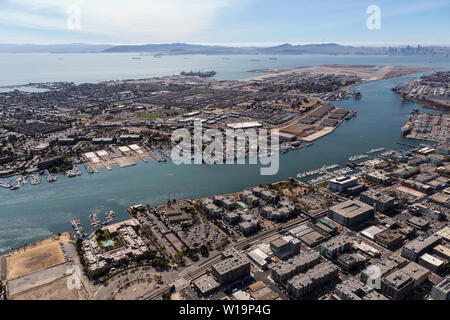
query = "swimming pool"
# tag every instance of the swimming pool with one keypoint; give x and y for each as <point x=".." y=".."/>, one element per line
<point x="243" y="205"/>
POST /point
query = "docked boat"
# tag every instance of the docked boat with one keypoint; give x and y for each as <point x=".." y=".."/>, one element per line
<point x="76" y="224"/>
<point x="52" y="177"/>
<point x="6" y="185"/>
<point x="75" y="172"/>
<point x="375" y="150"/>
<point x="95" y="221"/>
<point x="88" y="168"/>
<point x="357" y="157"/>
<point x="15" y="187"/>
<point x="110" y="216"/>
<point x="35" y="179"/>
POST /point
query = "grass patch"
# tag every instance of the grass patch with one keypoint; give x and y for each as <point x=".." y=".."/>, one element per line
<point x="323" y="184"/>
<point x="106" y="241"/>
<point x="151" y="115"/>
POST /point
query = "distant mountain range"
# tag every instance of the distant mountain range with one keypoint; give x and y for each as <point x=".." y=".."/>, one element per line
<point x="183" y="48"/>
<point x="52" y="48"/>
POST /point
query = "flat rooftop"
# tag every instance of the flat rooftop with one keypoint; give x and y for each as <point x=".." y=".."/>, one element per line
<point x="351" y="208"/>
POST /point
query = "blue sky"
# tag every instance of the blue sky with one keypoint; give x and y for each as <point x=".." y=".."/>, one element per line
<point x="232" y="22"/>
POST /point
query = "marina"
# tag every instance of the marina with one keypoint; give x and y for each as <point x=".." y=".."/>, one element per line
<point x="323" y="169"/>
<point x="51" y="177"/>
<point x="6" y="185"/>
<point x="35" y="179"/>
<point x="75" y="172"/>
<point x="110" y="216"/>
<point x="76" y="224"/>
<point x="377" y="150"/>
<point x="95" y="222"/>
<point x="149" y="183"/>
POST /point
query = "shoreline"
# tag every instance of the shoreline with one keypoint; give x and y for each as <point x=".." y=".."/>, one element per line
<point x="355" y="84"/>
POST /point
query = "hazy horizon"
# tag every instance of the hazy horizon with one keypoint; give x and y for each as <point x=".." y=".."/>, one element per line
<point x="229" y="22"/>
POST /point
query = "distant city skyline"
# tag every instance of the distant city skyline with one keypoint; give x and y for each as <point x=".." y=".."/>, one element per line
<point x="224" y="22"/>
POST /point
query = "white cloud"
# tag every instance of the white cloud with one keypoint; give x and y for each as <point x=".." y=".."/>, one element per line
<point x="134" y="20"/>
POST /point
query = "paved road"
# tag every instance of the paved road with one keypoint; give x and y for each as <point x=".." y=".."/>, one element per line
<point x="194" y="272"/>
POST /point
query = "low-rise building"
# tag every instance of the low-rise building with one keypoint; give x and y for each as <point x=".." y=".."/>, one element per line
<point x="269" y="196"/>
<point x="442" y="252"/>
<point x="232" y="217"/>
<point x="250" y="199"/>
<point x="339" y="244"/>
<point x="383" y="266"/>
<point x="418" y="223"/>
<point x="206" y="285"/>
<point x="444" y="233"/>
<point x="432" y="263"/>
<point x="378" y="177"/>
<point x="211" y="208"/>
<point x="417" y="247"/>
<point x="298" y="264"/>
<point x="382" y="202"/>
<point x="351" y="289"/>
<point x="406" y="172"/>
<point x="285" y="247"/>
<point x="259" y="257"/>
<point x="418" y="273"/>
<point x="371" y="232"/>
<point x="350" y="213"/>
<point x="304" y="283"/>
<point x="340" y="184"/>
<point x="248" y="227"/>
<point x="231" y="269"/>
<point x="349" y="261"/>
<point x="224" y="202"/>
<point x="441" y="291"/>
<point x="389" y="239"/>
<point x="397" y="284"/>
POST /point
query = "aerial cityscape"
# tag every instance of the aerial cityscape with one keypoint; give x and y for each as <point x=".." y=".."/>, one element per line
<point x="231" y="171"/>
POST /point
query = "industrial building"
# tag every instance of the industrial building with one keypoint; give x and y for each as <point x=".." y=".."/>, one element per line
<point x="350" y="213"/>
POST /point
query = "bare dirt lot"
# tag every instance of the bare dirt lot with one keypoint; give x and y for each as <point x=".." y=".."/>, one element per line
<point x="56" y="290"/>
<point x="366" y="73"/>
<point x="39" y="256"/>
